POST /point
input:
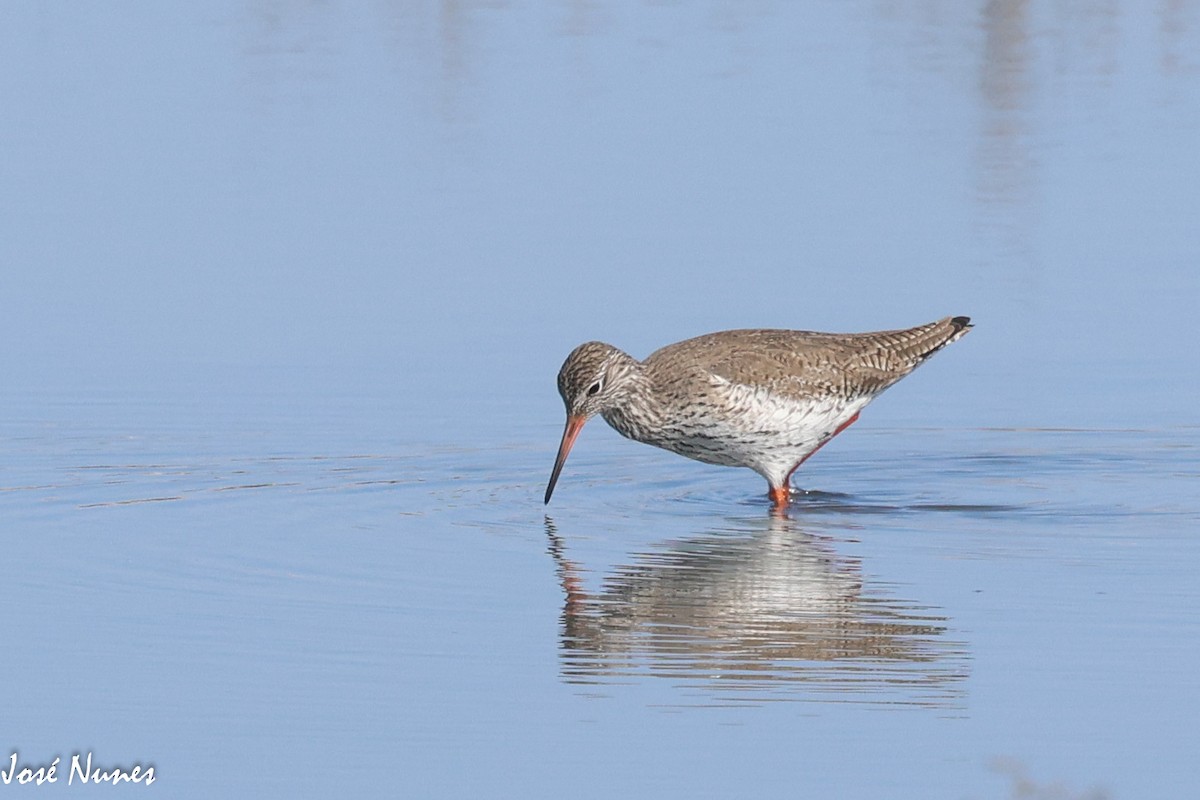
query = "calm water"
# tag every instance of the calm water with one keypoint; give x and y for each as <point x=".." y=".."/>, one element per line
<point x="284" y="288"/>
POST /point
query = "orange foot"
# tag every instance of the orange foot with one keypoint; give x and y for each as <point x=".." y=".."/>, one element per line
<point x="780" y="496"/>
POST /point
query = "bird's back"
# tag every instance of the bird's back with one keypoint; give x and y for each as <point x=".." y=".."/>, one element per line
<point x="803" y="365"/>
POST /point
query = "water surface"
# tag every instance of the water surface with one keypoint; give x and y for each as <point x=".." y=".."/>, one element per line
<point x="285" y="287"/>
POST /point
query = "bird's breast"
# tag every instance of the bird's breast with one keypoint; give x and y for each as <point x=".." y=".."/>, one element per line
<point x="737" y="425"/>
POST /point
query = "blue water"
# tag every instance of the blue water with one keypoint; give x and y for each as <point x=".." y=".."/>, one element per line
<point x="284" y="289"/>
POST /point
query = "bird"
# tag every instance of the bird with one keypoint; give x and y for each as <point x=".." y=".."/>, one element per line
<point x="758" y="398"/>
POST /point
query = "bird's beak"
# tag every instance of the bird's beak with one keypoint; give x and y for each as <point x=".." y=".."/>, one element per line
<point x="574" y="426"/>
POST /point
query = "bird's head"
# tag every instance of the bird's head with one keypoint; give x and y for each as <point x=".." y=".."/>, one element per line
<point x="593" y="379"/>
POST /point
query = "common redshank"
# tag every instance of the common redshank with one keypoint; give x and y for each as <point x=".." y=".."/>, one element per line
<point x="763" y="399"/>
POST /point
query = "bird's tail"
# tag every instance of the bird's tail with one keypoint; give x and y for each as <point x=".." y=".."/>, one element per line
<point x="942" y="333"/>
<point x="912" y="346"/>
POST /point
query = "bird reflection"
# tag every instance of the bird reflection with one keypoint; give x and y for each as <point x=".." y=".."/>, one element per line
<point x="759" y="611"/>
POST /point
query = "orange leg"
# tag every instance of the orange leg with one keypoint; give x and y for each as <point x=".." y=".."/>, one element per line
<point x="782" y="494"/>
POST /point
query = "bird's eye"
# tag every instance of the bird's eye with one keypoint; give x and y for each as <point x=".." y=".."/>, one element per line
<point x="595" y="388"/>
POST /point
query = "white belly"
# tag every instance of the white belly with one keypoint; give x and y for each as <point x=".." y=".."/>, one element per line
<point x="766" y="432"/>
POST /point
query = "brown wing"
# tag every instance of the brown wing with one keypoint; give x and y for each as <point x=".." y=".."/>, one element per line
<point x="806" y="363"/>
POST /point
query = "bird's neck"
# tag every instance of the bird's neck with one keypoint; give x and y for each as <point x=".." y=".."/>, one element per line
<point x="636" y="414"/>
